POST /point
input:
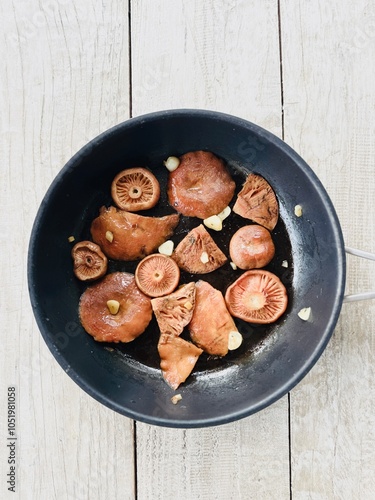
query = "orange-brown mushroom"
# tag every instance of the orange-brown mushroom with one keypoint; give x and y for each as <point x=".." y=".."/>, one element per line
<point x="198" y="253"/>
<point x="126" y="236"/>
<point x="89" y="262"/>
<point x="135" y="189"/>
<point x="201" y="186"/>
<point x="157" y="275"/>
<point x="177" y="358"/>
<point x="257" y="201"/>
<point x="257" y="296"/>
<point x="211" y="323"/>
<point x="251" y="247"/>
<point x="125" y="322"/>
<point x="174" y="311"/>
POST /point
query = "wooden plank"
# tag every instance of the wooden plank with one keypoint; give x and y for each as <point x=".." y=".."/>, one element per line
<point x="64" y="79"/>
<point x="329" y="97"/>
<point x="236" y="460"/>
<point x="211" y="55"/>
<point x="223" y="56"/>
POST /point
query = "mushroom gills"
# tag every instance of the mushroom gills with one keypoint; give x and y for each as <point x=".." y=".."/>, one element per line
<point x="157" y="275"/>
<point x="174" y="311"/>
<point x="257" y="201"/>
<point x="257" y="296"/>
<point x="135" y="189"/>
<point x="89" y="262"/>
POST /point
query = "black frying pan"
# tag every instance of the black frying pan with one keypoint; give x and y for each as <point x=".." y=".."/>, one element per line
<point x="273" y="358"/>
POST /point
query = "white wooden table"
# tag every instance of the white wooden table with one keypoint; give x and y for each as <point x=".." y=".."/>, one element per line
<point x="304" y="70"/>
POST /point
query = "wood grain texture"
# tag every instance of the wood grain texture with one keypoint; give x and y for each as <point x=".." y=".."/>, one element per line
<point x="247" y="459"/>
<point x="64" y="79"/>
<point x="329" y="96"/>
<point x="222" y="56"/>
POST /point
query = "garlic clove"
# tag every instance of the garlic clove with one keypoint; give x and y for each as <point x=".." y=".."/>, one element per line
<point x="166" y="248"/>
<point x="188" y="305"/>
<point x="204" y="258"/>
<point x="214" y="222"/>
<point x="305" y="313"/>
<point x="224" y="213"/>
<point x="298" y="210"/>
<point x="113" y="306"/>
<point x="171" y="163"/>
<point x="109" y="236"/>
<point x="176" y="398"/>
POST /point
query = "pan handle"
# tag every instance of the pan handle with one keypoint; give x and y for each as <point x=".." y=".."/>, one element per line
<point x="364" y="295"/>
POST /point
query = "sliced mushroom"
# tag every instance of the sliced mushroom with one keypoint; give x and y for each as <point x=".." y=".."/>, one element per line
<point x="211" y="323"/>
<point x="133" y="315"/>
<point x="135" y="189"/>
<point x="201" y="186"/>
<point x="257" y="201"/>
<point x="197" y="253"/>
<point x="89" y="262"/>
<point x="157" y="275"/>
<point x="174" y="311"/>
<point x="133" y="236"/>
<point x="251" y="247"/>
<point x="257" y="296"/>
<point x="178" y="358"/>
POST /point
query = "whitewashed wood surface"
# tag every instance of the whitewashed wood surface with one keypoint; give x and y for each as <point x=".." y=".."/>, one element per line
<point x="304" y="70"/>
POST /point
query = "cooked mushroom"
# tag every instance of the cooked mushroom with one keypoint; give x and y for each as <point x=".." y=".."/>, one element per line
<point x="257" y="296"/>
<point x="135" y="189"/>
<point x="133" y="236"/>
<point x="251" y="247"/>
<point x="178" y="358"/>
<point x="89" y="262"/>
<point x="157" y="275"/>
<point x="201" y="186"/>
<point x="174" y="311"/>
<point x="211" y="323"/>
<point x="130" y="320"/>
<point x="197" y="253"/>
<point x="257" y="201"/>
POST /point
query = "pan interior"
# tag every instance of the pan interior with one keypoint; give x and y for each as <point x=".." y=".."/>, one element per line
<point x="273" y="358"/>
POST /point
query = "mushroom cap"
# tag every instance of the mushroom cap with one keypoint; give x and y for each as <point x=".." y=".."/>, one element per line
<point x="177" y="358"/>
<point x="251" y="247"/>
<point x="134" y="314"/>
<point x="257" y="201"/>
<point x="157" y="275"/>
<point x="201" y="186"/>
<point x="135" y="189"/>
<point x="134" y="236"/>
<point x="174" y="311"/>
<point x="211" y="323"/>
<point x="257" y="296"/>
<point x="89" y="262"/>
<point x="198" y="242"/>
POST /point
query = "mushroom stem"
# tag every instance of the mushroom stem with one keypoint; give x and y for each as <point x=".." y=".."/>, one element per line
<point x="256" y="300"/>
<point x="135" y="193"/>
